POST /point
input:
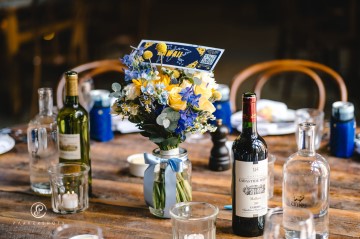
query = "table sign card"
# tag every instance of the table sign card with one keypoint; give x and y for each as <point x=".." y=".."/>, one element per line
<point x="187" y="56"/>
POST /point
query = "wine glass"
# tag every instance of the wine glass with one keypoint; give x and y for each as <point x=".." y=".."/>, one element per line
<point x="290" y="222"/>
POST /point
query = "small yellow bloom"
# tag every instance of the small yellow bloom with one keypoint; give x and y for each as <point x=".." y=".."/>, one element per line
<point x="147" y="55"/>
<point x="161" y="47"/>
<point x="137" y="84"/>
<point x="175" y="101"/>
<point x="216" y="95"/>
<point x="164" y="79"/>
<point x="176" y="74"/>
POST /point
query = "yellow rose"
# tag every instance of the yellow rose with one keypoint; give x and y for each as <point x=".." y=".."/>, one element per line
<point x="175" y="101"/>
<point x="206" y="105"/>
<point x="203" y="90"/>
<point x="185" y="84"/>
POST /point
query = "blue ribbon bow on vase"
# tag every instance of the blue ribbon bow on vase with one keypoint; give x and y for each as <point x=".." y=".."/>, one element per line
<point x="173" y="166"/>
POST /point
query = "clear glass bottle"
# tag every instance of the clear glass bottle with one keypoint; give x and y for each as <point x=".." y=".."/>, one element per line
<point x="42" y="143"/>
<point x="73" y="127"/>
<point x="183" y="190"/>
<point x="306" y="180"/>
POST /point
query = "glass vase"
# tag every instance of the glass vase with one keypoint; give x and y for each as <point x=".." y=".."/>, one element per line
<point x="183" y="192"/>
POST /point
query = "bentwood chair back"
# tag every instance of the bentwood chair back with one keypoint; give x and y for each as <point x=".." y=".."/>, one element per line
<point x="267" y="70"/>
<point x="88" y="71"/>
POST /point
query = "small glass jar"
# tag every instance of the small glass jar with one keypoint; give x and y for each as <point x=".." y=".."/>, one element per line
<point x="183" y="192"/>
<point x="70" y="188"/>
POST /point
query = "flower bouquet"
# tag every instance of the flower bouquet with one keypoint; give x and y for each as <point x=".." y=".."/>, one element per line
<point x="166" y="103"/>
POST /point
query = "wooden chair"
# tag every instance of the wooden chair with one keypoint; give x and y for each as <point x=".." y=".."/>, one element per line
<point x="87" y="72"/>
<point x="269" y="69"/>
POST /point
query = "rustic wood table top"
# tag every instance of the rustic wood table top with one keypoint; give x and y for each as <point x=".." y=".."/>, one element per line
<point x="118" y="207"/>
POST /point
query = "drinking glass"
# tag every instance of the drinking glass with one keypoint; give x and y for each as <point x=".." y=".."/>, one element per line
<point x="193" y="220"/>
<point x="70" y="187"/>
<point x="271" y="164"/>
<point x="78" y="231"/>
<point x="291" y="222"/>
<point x="312" y="116"/>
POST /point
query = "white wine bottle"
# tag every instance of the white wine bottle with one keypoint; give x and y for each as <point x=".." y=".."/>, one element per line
<point x="73" y="126"/>
<point x="249" y="177"/>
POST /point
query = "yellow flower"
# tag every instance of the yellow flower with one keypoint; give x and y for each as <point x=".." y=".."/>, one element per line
<point x="203" y="90"/>
<point x="137" y="84"/>
<point x="206" y="93"/>
<point x="216" y="95"/>
<point x="185" y="84"/>
<point x="176" y="74"/>
<point x="147" y="55"/>
<point x="175" y="101"/>
<point x="164" y="79"/>
<point x="206" y="105"/>
<point x="161" y="47"/>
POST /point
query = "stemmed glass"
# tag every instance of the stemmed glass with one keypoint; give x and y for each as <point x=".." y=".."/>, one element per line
<point x="290" y="222"/>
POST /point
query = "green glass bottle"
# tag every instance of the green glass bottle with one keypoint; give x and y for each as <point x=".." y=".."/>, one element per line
<point x="73" y="127"/>
<point x="249" y="177"/>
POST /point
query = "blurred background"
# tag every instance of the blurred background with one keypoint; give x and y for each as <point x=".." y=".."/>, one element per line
<point x="41" y="39"/>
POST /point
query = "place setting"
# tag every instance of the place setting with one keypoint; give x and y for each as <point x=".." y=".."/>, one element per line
<point x="273" y="118"/>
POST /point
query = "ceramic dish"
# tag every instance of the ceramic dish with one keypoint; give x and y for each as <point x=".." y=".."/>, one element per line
<point x="6" y="143"/>
<point x="137" y="165"/>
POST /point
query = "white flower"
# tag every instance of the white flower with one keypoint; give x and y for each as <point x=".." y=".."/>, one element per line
<point x="131" y="92"/>
<point x="207" y="79"/>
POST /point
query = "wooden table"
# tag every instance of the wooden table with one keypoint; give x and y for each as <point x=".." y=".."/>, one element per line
<point x="118" y="206"/>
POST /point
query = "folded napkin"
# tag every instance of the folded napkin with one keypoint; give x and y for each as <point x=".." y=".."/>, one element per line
<point x="273" y="118"/>
<point x="271" y="110"/>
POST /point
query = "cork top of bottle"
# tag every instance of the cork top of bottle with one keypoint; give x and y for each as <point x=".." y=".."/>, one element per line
<point x="71" y="75"/>
<point x="71" y="86"/>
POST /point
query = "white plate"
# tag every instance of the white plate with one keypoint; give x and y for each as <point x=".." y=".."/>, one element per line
<point x="6" y="143"/>
<point x="284" y="124"/>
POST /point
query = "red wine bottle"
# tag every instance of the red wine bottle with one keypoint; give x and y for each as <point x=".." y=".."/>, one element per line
<point x="249" y="175"/>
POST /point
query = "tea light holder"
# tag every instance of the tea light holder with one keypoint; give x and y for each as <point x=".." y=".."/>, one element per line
<point x="78" y="231"/>
<point x="193" y="220"/>
<point x="69" y="185"/>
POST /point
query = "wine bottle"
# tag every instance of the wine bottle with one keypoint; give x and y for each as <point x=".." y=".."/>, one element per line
<point x="249" y="175"/>
<point x="73" y="126"/>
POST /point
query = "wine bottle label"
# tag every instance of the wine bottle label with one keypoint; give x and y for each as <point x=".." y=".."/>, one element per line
<point x="251" y="188"/>
<point x="69" y="146"/>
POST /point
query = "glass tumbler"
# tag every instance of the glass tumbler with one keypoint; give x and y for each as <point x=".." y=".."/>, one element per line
<point x="78" y="231"/>
<point x="310" y="115"/>
<point x="69" y="184"/>
<point x="289" y="223"/>
<point x="271" y="165"/>
<point x="193" y="220"/>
